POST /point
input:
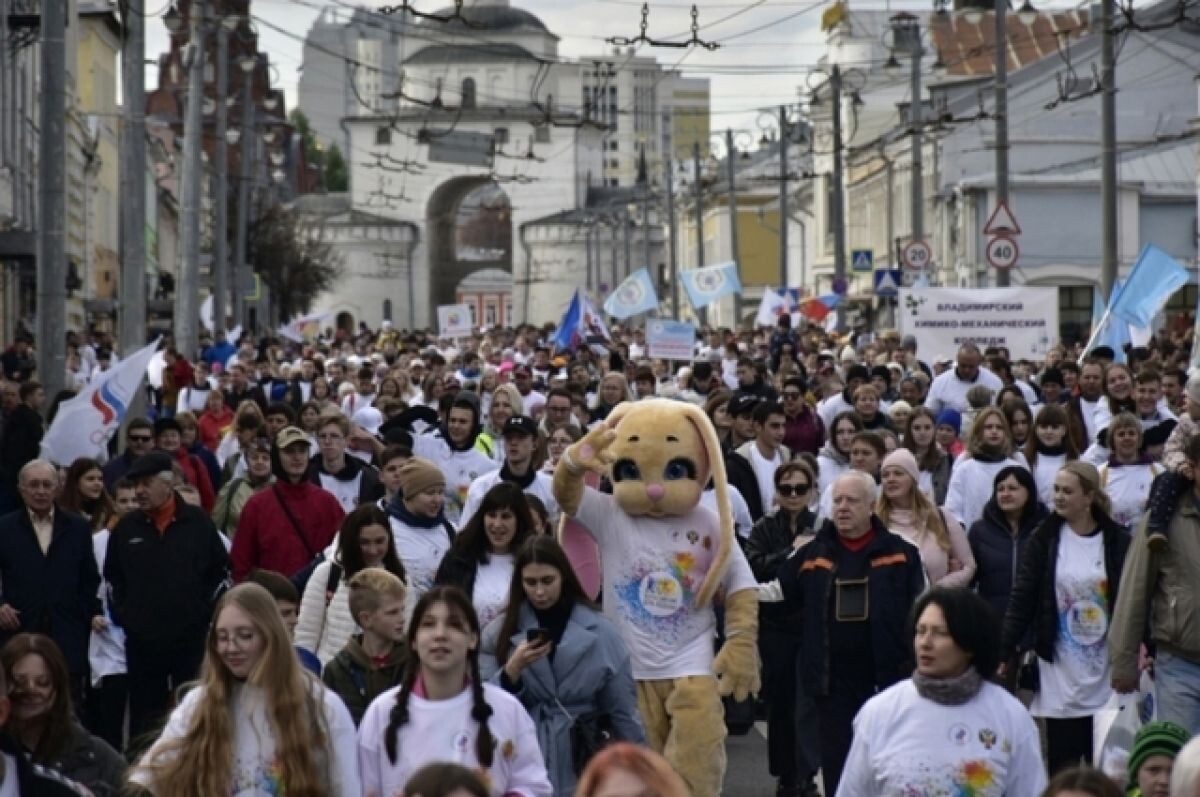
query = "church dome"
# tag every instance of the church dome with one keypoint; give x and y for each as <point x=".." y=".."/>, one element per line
<point x="492" y="17"/>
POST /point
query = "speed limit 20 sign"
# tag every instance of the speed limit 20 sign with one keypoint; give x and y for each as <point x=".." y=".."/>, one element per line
<point x="916" y="255"/>
<point x="1002" y="252"/>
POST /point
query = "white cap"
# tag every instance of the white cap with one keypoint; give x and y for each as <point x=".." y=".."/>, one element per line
<point x="368" y="418"/>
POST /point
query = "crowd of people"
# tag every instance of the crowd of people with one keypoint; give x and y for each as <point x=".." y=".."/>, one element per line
<point x="340" y="568"/>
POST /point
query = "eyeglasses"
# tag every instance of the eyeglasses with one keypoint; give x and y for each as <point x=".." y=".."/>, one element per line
<point x="140" y="438"/>
<point x="788" y="490"/>
<point x="790" y="396"/>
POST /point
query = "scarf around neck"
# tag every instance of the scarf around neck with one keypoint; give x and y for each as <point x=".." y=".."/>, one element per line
<point x="953" y="691"/>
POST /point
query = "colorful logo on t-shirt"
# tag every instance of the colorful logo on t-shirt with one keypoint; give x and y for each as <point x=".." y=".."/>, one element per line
<point x="973" y="778"/>
<point x="652" y="594"/>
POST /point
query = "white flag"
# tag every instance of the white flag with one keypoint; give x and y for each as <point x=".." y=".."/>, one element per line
<point x="83" y="426"/>
<point x="773" y="305"/>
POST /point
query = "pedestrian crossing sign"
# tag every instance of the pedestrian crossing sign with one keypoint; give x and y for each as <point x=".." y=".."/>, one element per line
<point x="862" y="259"/>
<point x="888" y="282"/>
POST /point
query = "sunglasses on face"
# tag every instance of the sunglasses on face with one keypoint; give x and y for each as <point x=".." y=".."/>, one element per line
<point x="788" y="490"/>
<point x="788" y="396"/>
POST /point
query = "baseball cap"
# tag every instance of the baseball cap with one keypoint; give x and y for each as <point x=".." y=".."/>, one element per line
<point x="742" y="405"/>
<point x="520" y="424"/>
<point x="290" y="435"/>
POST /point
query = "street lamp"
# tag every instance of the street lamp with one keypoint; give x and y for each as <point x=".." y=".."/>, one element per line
<point x="247" y="63"/>
<point x="233" y="135"/>
<point x="1027" y="13"/>
<point x="173" y="20"/>
<point x="907" y="38"/>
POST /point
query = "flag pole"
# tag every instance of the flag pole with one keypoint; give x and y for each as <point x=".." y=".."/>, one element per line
<point x="1095" y="335"/>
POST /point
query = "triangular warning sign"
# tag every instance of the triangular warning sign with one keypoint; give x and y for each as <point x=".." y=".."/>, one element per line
<point x="1002" y="222"/>
<point x="886" y="283"/>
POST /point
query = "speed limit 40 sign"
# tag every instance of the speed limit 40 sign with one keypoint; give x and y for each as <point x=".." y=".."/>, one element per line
<point x="916" y="255"/>
<point x="1002" y="252"/>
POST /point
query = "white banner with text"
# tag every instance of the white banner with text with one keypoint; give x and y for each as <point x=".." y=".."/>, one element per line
<point x="1023" y="320"/>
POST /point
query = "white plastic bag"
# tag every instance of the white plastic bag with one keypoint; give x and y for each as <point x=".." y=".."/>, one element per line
<point x="1115" y="726"/>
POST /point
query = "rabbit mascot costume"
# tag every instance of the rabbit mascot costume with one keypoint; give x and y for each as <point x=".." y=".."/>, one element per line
<point x="665" y="561"/>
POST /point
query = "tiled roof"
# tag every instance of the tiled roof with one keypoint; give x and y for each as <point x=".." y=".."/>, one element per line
<point x="968" y="48"/>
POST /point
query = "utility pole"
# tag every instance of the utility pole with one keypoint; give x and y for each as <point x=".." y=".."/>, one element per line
<point x="133" y="180"/>
<point x="783" y="196"/>
<point x="918" y="177"/>
<point x="1001" y="91"/>
<point x="839" y="220"/>
<point x="672" y="265"/>
<point x="241" y="267"/>
<point x="733" y="223"/>
<point x="1108" y="150"/>
<point x="643" y="183"/>
<point x="626" y="224"/>
<point x="52" y="202"/>
<point x="187" y="287"/>
<point x="699" y="219"/>
<point x="221" y="235"/>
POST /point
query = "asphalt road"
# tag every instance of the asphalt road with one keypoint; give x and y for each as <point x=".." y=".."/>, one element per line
<point x="746" y="773"/>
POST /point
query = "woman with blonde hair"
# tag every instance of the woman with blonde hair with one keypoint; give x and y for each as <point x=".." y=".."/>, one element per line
<point x="908" y="512"/>
<point x="989" y="450"/>
<point x="505" y="402"/>
<point x="613" y="389"/>
<point x="257" y="722"/>
<point x="1066" y="587"/>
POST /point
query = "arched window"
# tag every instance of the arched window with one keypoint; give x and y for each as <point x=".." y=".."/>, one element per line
<point x="468" y="92"/>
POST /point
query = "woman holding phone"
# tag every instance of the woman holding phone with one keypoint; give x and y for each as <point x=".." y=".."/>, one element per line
<point x="560" y="657"/>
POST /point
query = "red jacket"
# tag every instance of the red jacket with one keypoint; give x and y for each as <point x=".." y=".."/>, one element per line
<point x="267" y="538"/>
<point x="196" y="475"/>
<point x="804" y="431"/>
<point x="211" y="428"/>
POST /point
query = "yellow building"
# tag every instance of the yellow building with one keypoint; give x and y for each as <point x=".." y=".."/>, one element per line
<point x="95" y="134"/>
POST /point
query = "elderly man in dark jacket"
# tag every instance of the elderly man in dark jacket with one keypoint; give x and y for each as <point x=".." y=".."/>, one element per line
<point x="854" y="584"/>
<point x="48" y="574"/>
<point x="166" y="566"/>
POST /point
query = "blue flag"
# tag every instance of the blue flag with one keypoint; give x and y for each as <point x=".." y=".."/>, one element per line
<point x="581" y="325"/>
<point x="1155" y="276"/>
<point x="634" y="295"/>
<point x="1115" y="334"/>
<point x="705" y="285"/>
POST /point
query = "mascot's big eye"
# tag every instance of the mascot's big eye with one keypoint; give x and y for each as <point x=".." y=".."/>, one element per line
<point x="625" y="470"/>
<point x="679" y="469"/>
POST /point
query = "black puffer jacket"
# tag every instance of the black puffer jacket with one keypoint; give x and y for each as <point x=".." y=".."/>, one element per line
<point x="998" y="554"/>
<point x="90" y="762"/>
<point x="1033" y="603"/>
<point x="767" y="548"/>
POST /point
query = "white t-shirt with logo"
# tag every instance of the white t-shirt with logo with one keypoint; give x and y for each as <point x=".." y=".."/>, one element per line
<point x="905" y="744"/>
<point x="493" y="580"/>
<point x="459" y="467"/>
<point x="653" y="568"/>
<point x="1077" y="682"/>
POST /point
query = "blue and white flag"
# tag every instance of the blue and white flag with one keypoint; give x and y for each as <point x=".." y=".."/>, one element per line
<point x="705" y="285"/>
<point x="775" y="302"/>
<point x="1155" y="276"/>
<point x="83" y="425"/>
<point x="582" y="325"/>
<point x="1115" y="334"/>
<point x="634" y="295"/>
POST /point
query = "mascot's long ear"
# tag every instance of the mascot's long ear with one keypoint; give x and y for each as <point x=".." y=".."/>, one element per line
<point x="716" y="466"/>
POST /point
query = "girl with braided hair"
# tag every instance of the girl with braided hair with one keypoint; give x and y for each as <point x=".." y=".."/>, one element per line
<point x="444" y="711"/>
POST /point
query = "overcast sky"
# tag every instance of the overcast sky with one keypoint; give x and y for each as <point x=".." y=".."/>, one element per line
<point x="758" y="39"/>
